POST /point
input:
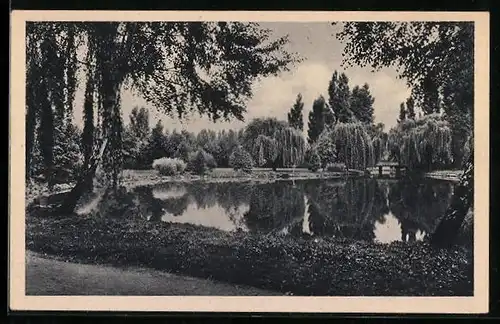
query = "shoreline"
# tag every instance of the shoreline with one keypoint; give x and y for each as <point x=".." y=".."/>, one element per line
<point x="301" y="266"/>
<point x="138" y="178"/>
<point x="446" y="175"/>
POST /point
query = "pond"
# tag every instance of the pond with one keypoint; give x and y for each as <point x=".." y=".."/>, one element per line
<point x="362" y="209"/>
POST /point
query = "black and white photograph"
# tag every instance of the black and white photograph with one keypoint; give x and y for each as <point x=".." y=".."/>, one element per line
<point x="250" y="158"/>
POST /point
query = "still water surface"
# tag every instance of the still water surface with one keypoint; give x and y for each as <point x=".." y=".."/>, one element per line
<point x="361" y="209"/>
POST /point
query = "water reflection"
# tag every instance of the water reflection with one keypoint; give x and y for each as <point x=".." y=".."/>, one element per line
<point x="361" y="209"/>
<point x="274" y="207"/>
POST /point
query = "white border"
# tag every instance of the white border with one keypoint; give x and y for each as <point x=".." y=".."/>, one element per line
<point x="476" y="304"/>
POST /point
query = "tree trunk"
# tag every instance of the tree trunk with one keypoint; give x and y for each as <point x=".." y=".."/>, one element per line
<point x="88" y="113"/>
<point x="46" y="130"/>
<point x="462" y="201"/>
<point x="82" y="184"/>
<point x="30" y="137"/>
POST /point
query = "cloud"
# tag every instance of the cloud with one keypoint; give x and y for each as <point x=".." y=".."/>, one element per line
<point x="275" y="96"/>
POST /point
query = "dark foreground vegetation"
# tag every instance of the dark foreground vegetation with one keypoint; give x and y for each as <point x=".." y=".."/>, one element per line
<point x="304" y="266"/>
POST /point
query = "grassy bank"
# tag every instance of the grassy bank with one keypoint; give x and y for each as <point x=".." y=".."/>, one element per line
<point x="300" y="266"/>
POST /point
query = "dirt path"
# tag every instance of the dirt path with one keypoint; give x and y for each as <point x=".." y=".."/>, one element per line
<point x="45" y="276"/>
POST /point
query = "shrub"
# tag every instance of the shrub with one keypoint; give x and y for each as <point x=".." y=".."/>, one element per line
<point x="313" y="160"/>
<point x="210" y="160"/>
<point x="199" y="162"/>
<point x="325" y="147"/>
<point x="240" y="159"/>
<point x="336" y="167"/>
<point x="169" y="167"/>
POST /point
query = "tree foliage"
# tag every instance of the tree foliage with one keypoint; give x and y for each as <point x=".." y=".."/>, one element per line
<point x="316" y="122"/>
<point x="361" y="104"/>
<point x="402" y="112"/>
<point x="259" y="139"/>
<point x="273" y="143"/>
<point x="353" y="145"/>
<point x="435" y="58"/>
<point x="265" y="150"/>
<point x="422" y="144"/>
<point x="295" y="117"/>
<point x="339" y="97"/>
<point x="139" y="123"/>
<point x="291" y="147"/>
<point x="325" y="148"/>
<point x="200" y="162"/>
<point x="240" y="159"/>
<point x="50" y="89"/>
<point x="313" y="160"/>
<point x="410" y="108"/>
<point x="177" y="67"/>
<point x="379" y="141"/>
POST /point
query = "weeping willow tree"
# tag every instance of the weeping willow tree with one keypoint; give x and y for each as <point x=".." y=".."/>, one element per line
<point x="265" y="150"/>
<point x="422" y="144"/>
<point x="353" y="145"/>
<point x="379" y="147"/>
<point x="177" y="67"/>
<point x="291" y="146"/>
<point x="379" y="141"/>
<point x="258" y="139"/>
<point x="273" y="143"/>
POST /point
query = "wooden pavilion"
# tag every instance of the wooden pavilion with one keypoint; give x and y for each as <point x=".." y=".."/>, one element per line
<point x="390" y="169"/>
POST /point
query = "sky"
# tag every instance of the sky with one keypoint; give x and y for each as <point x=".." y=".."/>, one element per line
<point x="274" y="96"/>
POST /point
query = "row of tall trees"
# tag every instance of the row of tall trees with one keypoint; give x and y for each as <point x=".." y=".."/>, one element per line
<point x="142" y="146"/>
<point x="341" y="128"/>
<point x="342" y="106"/>
<point x="272" y="143"/>
<point x="269" y="142"/>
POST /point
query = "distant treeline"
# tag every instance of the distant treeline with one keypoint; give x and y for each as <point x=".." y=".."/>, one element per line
<point x="341" y="130"/>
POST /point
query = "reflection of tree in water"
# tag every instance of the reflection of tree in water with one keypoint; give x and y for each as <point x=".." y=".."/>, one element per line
<point x="274" y="207"/>
<point x="418" y="205"/>
<point x="176" y="206"/>
<point x="175" y="198"/>
<point x="155" y="207"/>
<point x="203" y="194"/>
<point x="228" y="195"/>
<point x="233" y="197"/>
<point x="346" y="209"/>
<point x="148" y="204"/>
